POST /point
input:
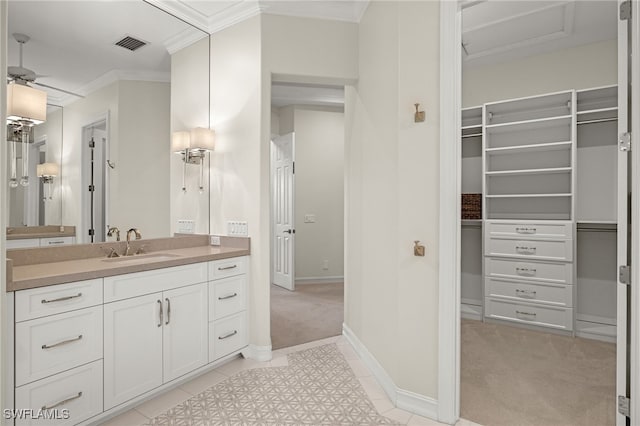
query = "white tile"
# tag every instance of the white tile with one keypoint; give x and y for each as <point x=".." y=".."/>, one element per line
<point x="465" y="422"/>
<point x="372" y="388"/>
<point x="382" y="405"/>
<point x="281" y="361"/>
<point x="128" y="418"/>
<point x="398" y="415"/>
<point x="162" y="403"/>
<point x="202" y="383"/>
<point x="348" y="352"/>
<point x="240" y="364"/>
<point x="358" y="367"/>
<point x="417" y="420"/>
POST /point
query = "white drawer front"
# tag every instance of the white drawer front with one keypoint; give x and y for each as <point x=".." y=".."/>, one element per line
<point x="57" y="241"/>
<point x="139" y="283"/>
<point x="23" y="243"/>
<point x="49" y="345"/>
<point x="529" y="230"/>
<point x="79" y="391"/>
<point x="227" y="335"/>
<point x="55" y="299"/>
<point x="227" y="296"/>
<point x="561" y="273"/>
<point x="227" y="267"/>
<point x="549" y="294"/>
<point x="561" y="250"/>
<point x="546" y="316"/>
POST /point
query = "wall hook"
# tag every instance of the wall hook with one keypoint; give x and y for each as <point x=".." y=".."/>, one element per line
<point x="418" y="249"/>
<point x="419" y="115"/>
<point x="111" y="164"/>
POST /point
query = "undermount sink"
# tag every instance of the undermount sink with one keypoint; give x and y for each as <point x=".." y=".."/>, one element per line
<point x="142" y="258"/>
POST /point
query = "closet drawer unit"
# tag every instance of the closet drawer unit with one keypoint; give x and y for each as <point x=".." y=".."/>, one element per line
<point x="548" y="294"/>
<point x="227" y="296"/>
<point x="55" y="299"/>
<point x="545" y="316"/>
<point x="558" y="250"/>
<point x="227" y="335"/>
<point x="227" y="267"/>
<point x="57" y="241"/>
<point x="529" y="230"/>
<point x="49" y="345"/>
<point x="560" y="273"/>
<point x="78" y="390"/>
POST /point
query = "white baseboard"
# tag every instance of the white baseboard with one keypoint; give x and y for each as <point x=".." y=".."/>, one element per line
<point x="320" y="280"/>
<point x="404" y="399"/>
<point x="259" y="353"/>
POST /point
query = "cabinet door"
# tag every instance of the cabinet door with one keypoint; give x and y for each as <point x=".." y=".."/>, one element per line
<point x="132" y="348"/>
<point x="185" y="330"/>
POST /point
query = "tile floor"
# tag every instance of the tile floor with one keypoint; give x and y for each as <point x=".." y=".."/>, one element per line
<point x="144" y="412"/>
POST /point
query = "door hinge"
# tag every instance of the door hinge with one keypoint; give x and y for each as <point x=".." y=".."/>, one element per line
<point x="92" y="232"/>
<point x="625" y="274"/>
<point x="624" y="405"/>
<point x="625" y="10"/>
<point x="624" y="142"/>
<point x="92" y="188"/>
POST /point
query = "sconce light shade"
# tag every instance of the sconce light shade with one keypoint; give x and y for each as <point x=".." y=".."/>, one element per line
<point x="26" y="103"/>
<point x="180" y="141"/>
<point x="47" y="170"/>
<point x="204" y="139"/>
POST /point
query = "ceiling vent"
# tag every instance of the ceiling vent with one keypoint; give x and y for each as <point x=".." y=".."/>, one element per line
<point x="131" y="43"/>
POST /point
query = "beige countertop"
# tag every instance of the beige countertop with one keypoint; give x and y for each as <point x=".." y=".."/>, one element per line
<point x="32" y="275"/>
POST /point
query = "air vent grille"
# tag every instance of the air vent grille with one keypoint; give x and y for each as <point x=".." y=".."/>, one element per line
<point x="131" y="43"/>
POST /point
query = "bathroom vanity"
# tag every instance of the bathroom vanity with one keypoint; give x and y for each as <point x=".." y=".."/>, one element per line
<point x="97" y="335"/>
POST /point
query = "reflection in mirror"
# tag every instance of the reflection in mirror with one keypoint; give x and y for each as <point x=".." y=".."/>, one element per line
<point x="107" y="64"/>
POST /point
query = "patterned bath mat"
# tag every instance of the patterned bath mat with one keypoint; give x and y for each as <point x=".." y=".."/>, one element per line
<point x="317" y="388"/>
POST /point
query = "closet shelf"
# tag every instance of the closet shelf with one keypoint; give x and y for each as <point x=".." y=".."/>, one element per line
<point x="472" y="126"/>
<point x="550" y="146"/>
<point x="528" y="195"/>
<point x="558" y="121"/>
<point x="530" y="171"/>
<point x="591" y="111"/>
<point x="471" y="222"/>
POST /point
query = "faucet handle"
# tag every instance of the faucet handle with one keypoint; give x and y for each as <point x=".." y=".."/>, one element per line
<point x="140" y="249"/>
<point x="111" y="252"/>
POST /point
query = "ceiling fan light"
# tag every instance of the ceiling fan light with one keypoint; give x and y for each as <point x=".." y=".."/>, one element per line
<point x="26" y="103"/>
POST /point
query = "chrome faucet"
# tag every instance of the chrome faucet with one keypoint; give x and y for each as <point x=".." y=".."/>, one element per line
<point x="138" y="236"/>
<point x="114" y="230"/>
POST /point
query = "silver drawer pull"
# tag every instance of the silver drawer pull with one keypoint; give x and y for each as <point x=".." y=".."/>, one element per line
<point x="233" y="333"/>
<point x="56" y="242"/>
<point x="228" y="297"/>
<point x="526" y="271"/>
<point x="160" y="316"/>
<point x="525" y="249"/>
<point x="525" y="293"/>
<point x="526" y="230"/>
<point x="168" y="311"/>
<point x="60" y="299"/>
<point x="64" y="401"/>
<point x="530" y="314"/>
<point x="64" y="342"/>
<point x="227" y="267"/>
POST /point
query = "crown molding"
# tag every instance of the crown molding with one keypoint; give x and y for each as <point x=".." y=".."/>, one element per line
<point x="234" y="14"/>
<point x="183" y="39"/>
<point x="181" y="10"/>
<point x="351" y="11"/>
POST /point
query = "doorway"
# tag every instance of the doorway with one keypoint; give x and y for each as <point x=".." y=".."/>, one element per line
<point x="307" y="230"/>
<point x="95" y="180"/>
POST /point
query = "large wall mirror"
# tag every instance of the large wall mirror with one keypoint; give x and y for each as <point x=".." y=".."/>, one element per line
<point x="105" y="67"/>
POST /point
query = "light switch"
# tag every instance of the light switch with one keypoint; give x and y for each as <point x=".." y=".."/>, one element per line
<point x="186" y="226"/>
<point x="309" y="218"/>
<point x="236" y="228"/>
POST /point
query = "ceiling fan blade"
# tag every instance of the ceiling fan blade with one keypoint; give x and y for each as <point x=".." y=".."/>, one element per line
<point x="59" y="90"/>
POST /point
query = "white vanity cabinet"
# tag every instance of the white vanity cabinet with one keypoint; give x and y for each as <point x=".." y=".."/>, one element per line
<point x="40" y="242"/>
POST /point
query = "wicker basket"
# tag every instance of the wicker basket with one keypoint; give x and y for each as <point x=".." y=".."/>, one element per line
<point x="471" y="206"/>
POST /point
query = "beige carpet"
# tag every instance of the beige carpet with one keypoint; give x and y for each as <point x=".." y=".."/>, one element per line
<point x="511" y="376"/>
<point x="311" y="312"/>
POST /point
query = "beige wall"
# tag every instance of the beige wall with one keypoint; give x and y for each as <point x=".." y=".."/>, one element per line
<point x="580" y="67"/>
<point x="52" y="129"/>
<point x="392" y="191"/>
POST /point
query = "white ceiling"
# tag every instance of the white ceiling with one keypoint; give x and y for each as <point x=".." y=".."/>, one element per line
<point x="72" y="41"/>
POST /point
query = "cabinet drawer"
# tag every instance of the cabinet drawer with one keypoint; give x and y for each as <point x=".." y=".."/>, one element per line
<point x="227" y="267"/>
<point x="560" y="273"/>
<point x="227" y="296"/>
<point x="560" y="250"/>
<point x="139" y="283"/>
<point x="529" y="230"/>
<point x="55" y="299"/>
<point x="79" y="391"/>
<point x="56" y="241"/>
<point x="546" y="316"/>
<point x="49" y="345"/>
<point x="23" y="243"/>
<point x="549" y="294"/>
<point x="227" y="335"/>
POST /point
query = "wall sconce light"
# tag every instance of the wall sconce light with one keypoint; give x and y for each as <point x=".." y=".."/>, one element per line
<point x="26" y="107"/>
<point x="47" y="171"/>
<point x="193" y="146"/>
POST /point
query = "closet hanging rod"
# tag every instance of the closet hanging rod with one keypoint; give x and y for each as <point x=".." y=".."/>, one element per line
<point x="472" y="135"/>
<point x="599" y="120"/>
<point x="593" y="229"/>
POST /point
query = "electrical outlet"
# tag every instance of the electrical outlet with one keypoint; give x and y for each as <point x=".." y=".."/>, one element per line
<point x="215" y="240"/>
<point x="236" y="228"/>
<point x="325" y="265"/>
<point x="309" y="218"/>
<point x="186" y="226"/>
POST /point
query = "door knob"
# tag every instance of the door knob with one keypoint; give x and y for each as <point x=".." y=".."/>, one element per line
<point x="290" y="231"/>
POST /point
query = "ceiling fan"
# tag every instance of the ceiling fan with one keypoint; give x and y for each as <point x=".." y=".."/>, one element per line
<point x="22" y="75"/>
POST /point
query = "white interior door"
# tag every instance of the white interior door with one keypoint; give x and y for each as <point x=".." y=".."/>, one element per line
<point x="283" y="227"/>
